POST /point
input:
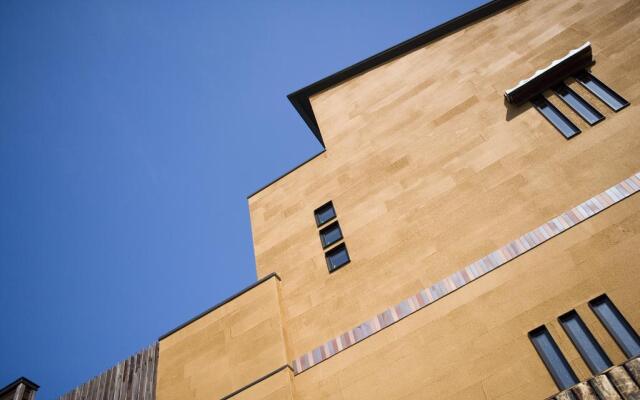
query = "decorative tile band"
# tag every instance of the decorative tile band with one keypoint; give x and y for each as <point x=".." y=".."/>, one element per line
<point x="470" y="273"/>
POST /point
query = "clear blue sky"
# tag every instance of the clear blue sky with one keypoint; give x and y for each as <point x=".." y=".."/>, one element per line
<point x="131" y="133"/>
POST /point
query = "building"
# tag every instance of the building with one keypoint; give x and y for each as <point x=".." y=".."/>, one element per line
<point x="456" y="239"/>
<point x="20" y="389"/>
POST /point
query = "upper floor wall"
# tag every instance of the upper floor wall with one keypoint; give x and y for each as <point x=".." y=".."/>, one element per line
<point x="428" y="169"/>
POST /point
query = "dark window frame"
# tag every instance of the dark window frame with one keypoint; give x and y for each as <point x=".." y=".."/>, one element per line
<point x="578" y="104"/>
<point x="319" y="210"/>
<point x="548" y="364"/>
<point x="333" y="251"/>
<point x="331" y="226"/>
<point x="596" y="87"/>
<point x="547" y="109"/>
<point x="585" y="353"/>
<point x="593" y="304"/>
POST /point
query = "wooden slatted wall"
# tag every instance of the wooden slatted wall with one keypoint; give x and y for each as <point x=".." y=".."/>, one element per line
<point x="132" y="379"/>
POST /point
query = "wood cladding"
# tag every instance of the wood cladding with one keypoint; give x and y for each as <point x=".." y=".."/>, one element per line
<point x="617" y="383"/>
<point x="132" y="379"/>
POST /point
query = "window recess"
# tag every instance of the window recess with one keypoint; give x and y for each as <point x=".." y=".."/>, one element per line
<point x="324" y="213"/>
<point x="588" y="347"/>
<point x="616" y="325"/>
<point x="331" y="238"/>
<point x="603" y="92"/>
<point x="581" y="107"/>
<point x="552" y="357"/>
<point x="330" y="234"/>
<point x="555" y="117"/>
<point x="337" y="257"/>
<point x="585" y="343"/>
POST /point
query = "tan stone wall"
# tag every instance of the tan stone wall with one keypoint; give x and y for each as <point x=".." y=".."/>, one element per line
<point x="225" y="350"/>
<point x="429" y="171"/>
<point x="473" y="344"/>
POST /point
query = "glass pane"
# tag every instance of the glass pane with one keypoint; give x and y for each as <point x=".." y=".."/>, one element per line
<point x="553" y="359"/>
<point x="617" y="326"/>
<point x="584" y="341"/>
<point x="602" y="91"/>
<point x="337" y="257"/>
<point x="585" y="110"/>
<point x="330" y="234"/>
<point x="325" y="213"/>
<point x="553" y="115"/>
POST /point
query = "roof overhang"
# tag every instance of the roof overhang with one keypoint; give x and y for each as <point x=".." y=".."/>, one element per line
<point x="27" y="382"/>
<point x="300" y="98"/>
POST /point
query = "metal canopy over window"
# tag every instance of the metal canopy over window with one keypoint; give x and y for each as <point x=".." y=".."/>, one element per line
<point x="575" y="61"/>
<point x="554" y="78"/>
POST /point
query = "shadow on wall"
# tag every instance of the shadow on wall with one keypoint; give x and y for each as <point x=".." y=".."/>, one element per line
<point x="513" y="110"/>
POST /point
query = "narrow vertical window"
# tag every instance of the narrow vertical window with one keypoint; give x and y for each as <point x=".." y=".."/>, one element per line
<point x="337" y="257"/>
<point x="585" y="110"/>
<point x="602" y="91"/>
<point x="617" y="325"/>
<point x="324" y="213"/>
<point x="330" y="234"/>
<point x="587" y="345"/>
<point x="552" y="358"/>
<point x="555" y="117"/>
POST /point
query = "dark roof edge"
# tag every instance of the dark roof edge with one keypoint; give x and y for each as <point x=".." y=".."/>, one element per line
<point x="223" y="302"/>
<point x="300" y="98"/>
<point x="285" y="174"/>
<point x="28" y="382"/>
<point x="262" y="378"/>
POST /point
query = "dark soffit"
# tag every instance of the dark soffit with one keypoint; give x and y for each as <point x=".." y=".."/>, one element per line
<point x="300" y="98"/>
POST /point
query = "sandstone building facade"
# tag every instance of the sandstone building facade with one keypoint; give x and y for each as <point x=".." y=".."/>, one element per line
<point x="469" y="232"/>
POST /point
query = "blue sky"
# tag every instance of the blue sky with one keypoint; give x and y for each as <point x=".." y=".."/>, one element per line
<point x="131" y="133"/>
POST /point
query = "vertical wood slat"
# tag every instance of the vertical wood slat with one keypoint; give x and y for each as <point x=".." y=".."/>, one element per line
<point x="108" y="386"/>
<point x="99" y="386"/>
<point x="136" y="378"/>
<point x="83" y="391"/>
<point x="143" y="381"/>
<point x="150" y="373"/>
<point x="633" y="367"/>
<point x="604" y="388"/>
<point x="91" y="389"/>
<point x="117" y="381"/>
<point x="565" y="395"/>
<point x="19" y="393"/>
<point x="123" y="385"/>
<point x="131" y="379"/>
<point x="582" y="391"/>
<point x="623" y="382"/>
<point x="129" y="387"/>
<point x="141" y="376"/>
